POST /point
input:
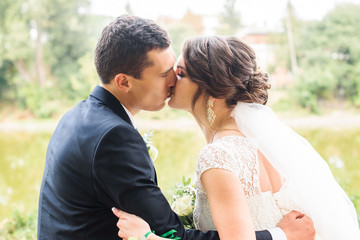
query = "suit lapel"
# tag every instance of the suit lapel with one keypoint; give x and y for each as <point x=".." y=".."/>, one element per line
<point x="114" y="104"/>
<point x="111" y="101"/>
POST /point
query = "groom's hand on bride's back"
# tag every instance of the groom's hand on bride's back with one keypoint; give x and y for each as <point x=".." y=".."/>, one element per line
<point x="297" y="226"/>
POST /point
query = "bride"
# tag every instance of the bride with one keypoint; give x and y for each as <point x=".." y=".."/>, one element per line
<point x="254" y="169"/>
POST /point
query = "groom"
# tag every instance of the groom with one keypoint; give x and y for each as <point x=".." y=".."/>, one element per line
<point x="96" y="159"/>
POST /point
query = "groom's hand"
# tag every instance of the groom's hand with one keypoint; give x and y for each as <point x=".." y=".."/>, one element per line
<point x="297" y="226"/>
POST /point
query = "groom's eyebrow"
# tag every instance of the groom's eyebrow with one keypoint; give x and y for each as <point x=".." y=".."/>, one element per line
<point x="167" y="71"/>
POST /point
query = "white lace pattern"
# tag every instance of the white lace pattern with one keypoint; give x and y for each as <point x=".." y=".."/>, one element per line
<point x="309" y="184"/>
<point x="236" y="154"/>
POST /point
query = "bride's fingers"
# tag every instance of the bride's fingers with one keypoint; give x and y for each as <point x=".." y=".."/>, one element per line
<point x="116" y="212"/>
<point x="119" y="213"/>
<point x="119" y="233"/>
<point x="122" y="234"/>
<point x="120" y="222"/>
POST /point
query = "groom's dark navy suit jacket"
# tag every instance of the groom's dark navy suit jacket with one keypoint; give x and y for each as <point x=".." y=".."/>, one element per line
<point x="97" y="160"/>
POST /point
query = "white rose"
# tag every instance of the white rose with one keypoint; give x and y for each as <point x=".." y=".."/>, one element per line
<point x="153" y="152"/>
<point x="183" y="206"/>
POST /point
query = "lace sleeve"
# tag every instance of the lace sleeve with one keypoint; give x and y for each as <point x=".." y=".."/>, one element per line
<point x="216" y="157"/>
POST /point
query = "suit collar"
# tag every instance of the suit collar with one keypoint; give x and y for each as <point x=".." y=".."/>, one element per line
<point x="111" y="101"/>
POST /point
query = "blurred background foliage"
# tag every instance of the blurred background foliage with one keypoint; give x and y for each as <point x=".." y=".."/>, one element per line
<point x="46" y="52"/>
<point x="329" y="58"/>
<point x="46" y="67"/>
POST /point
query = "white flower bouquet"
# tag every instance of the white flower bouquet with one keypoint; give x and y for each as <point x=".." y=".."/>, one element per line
<point x="153" y="152"/>
<point x="184" y="201"/>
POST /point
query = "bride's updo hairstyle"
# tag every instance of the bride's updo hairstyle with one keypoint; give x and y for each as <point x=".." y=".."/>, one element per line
<point x="225" y="68"/>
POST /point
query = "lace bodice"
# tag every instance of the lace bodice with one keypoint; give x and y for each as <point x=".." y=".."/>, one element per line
<point x="236" y="154"/>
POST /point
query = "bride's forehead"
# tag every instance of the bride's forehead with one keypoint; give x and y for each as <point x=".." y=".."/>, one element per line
<point x="180" y="59"/>
<point x="180" y="63"/>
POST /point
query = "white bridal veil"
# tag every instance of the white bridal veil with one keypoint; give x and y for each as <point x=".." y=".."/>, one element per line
<point x="315" y="190"/>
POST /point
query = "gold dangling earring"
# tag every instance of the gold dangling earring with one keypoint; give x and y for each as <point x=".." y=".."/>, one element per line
<point x="210" y="113"/>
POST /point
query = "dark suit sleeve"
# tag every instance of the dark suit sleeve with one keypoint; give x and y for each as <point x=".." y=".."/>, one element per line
<point x="123" y="177"/>
<point x="263" y="235"/>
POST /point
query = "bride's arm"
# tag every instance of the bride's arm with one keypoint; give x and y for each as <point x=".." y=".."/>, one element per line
<point x="228" y="204"/>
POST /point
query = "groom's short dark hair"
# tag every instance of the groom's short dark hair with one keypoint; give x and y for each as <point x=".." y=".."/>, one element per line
<point x="123" y="46"/>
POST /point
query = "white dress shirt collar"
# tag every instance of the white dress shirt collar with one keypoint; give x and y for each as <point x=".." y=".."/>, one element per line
<point x="130" y="116"/>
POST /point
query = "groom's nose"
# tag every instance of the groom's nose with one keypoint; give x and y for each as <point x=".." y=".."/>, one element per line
<point x="171" y="78"/>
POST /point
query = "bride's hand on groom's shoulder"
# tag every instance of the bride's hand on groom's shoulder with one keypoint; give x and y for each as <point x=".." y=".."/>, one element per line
<point x="297" y="226"/>
<point x="130" y="225"/>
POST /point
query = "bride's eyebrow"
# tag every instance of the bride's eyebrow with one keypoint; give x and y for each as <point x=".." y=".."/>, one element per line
<point x="179" y="66"/>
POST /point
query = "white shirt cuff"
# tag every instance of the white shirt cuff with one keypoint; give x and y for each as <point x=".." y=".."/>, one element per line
<point x="277" y="234"/>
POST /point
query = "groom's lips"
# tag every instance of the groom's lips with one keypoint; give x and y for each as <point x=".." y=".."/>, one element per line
<point x="168" y="95"/>
<point x="171" y="92"/>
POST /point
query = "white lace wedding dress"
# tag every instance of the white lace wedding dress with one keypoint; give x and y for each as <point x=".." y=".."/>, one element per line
<point x="236" y="154"/>
<point x="309" y="185"/>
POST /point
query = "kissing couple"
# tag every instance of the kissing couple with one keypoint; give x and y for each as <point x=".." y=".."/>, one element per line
<point x="255" y="178"/>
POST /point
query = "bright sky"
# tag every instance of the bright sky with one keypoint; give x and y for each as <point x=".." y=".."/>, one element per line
<point x="252" y="11"/>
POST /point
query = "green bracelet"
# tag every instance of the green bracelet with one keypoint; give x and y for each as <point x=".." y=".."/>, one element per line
<point x="146" y="235"/>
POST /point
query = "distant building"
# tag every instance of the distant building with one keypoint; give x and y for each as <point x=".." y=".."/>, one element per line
<point x="259" y="39"/>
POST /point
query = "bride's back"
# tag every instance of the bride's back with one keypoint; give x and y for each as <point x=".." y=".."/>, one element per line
<point x="270" y="179"/>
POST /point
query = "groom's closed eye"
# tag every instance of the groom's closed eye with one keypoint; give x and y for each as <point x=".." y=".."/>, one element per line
<point x="166" y="73"/>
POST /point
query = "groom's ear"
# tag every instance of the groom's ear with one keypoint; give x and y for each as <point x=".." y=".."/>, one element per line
<point x="122" y="82"/>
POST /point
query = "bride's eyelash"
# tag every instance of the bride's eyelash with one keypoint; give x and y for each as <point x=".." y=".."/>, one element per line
<point x="180" y="74"/>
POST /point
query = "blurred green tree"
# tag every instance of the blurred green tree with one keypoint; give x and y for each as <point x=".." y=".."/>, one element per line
<point x="283" y="42"/>
<point x="128" y="8"/>
<point x="230" y="20"/>
<point x="328" y="54"/>
<point x="42" y="48"/>
<point x="189" y="25"/>
<point x="15" y="44"/>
